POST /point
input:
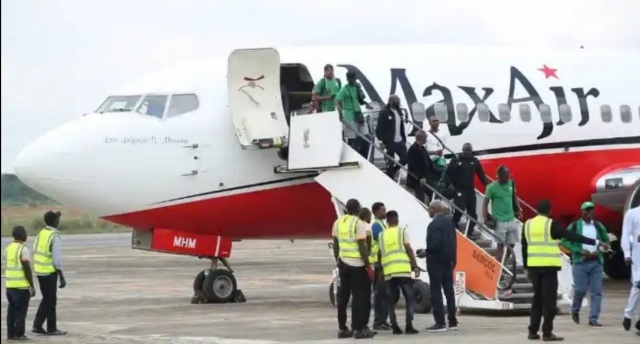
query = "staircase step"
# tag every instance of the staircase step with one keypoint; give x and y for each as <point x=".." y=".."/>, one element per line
<point x="484" y="243"/>
<point x="522" y="288"/>
<point x="522" y="298"/>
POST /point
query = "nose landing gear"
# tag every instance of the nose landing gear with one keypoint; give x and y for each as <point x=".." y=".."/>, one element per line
<point x="216" y="285"/>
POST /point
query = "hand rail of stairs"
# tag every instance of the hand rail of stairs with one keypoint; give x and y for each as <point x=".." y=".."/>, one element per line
<point x="451" y="152"/>
<point x="482" y="227"/>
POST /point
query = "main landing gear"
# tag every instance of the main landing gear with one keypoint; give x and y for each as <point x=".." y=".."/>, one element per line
<point x="216" y="285"/>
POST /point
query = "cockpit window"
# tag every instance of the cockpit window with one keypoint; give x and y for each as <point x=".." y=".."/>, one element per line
<point x="182" y="103"/>
<point x="153" y="105"/>
<point x="119" y="104"/>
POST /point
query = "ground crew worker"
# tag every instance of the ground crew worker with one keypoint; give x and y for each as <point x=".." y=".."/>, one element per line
<point x="47" y="263"/>
<point x="352" y="256"/>
<point x="587" y="264"/>
<point x="398" y="261"/>
<point x="630" y="244"/>
<point x="19" y="284"/>
<point x="542" y="260"/>
<point x="380" y="290"/>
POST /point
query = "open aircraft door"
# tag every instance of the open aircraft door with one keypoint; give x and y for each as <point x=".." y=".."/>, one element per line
<point x="255" y="101"/>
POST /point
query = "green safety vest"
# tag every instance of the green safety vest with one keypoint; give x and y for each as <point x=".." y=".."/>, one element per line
<point x="42" y="259"/>
<point x="542" y="249"/>
<point x="394" y="258"/>
<point x="345" y="230"/>
<point x="14" y="274"/>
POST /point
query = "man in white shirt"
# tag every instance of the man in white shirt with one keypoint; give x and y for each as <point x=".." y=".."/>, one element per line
<point x="436" y="141"/>
<point x="630" y="243"/>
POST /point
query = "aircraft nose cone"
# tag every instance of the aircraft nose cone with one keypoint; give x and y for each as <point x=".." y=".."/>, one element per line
<point x="32" y="165"/>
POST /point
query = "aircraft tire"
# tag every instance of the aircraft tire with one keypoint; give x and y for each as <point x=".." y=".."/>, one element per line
<point x="422" y="293"/>
<point x="197" y="282"/>
<point x="614" y="266"/>
<point x="220" y="286"/>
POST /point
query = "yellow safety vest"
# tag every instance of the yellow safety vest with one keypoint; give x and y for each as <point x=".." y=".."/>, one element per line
<point x="14" y="275"/>
<point x="42" y="260"/>
<point x="345" y="230"/>
<point x="542" y="249"/>
<point x="373" y="255"/>
<point x="395" y="259"/>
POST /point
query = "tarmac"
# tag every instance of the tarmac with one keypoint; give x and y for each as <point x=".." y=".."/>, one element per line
<point x="119" y="295"/>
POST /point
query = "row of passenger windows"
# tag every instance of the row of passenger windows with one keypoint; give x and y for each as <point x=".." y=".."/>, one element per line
<point x="152" y="104"/>
<point x="504" y="113"/>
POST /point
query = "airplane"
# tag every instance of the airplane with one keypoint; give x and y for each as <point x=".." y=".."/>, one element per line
<point x="188" y="157"/>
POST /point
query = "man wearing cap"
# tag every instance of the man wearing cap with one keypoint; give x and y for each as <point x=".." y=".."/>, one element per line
<point x="47" y="263"/>
<point x="587" y="261"/>
<point x="326" y="91"/>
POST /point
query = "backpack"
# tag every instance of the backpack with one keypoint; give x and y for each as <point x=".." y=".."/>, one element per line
<point x="324" y="84"/>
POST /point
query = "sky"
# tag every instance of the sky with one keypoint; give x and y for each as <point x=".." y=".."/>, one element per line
<point x="60" y="59"/>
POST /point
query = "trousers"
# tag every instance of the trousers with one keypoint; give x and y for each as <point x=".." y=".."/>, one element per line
<point x="18" y="304"/>
<point x="395" y="286"/>
<point x="545" y="299"/>
<point x="354" y="281"/>
<point x="587" y="275"/>
<point x="441" y="279"/>
<point x="466" y="200"/>
<point x="633" y="304"/>
<point x="47" y="309"/>
<point x="381" y="312"/>
<point x="399" y="149"/>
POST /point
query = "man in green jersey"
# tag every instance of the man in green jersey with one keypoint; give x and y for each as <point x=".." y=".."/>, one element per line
<point x="326" y="90"/>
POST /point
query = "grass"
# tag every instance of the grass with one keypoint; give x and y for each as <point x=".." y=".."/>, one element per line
<point x="73" y="221"/>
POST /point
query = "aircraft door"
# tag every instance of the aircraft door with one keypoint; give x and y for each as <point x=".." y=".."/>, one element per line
<point x="255" y="102"/>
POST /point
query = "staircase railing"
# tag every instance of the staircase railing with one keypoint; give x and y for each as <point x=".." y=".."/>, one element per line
<point x="511" y="272"/>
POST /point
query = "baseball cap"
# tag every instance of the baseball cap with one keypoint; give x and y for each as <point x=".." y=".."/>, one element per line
<point x="587" y="205"/>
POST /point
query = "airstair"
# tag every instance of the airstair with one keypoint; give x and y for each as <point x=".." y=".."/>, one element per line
<point x="315" y="144"/>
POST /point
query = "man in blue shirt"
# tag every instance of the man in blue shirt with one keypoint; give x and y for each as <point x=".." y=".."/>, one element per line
<point x="381" y="313"/>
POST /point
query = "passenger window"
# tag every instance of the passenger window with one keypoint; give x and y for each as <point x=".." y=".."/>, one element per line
<point x="119" y="104"/>
<point x="441" y="111"/>
<point x="153" y="105"/>
<point x="483" y="112"/>
<point x="565" y="113"/>
<point x="182" y="103"/>
<point x="504" y="113"/>
<point x="525" y="113"/>
<point x="605" y="112"/>
<point x="545" y="113"/>
<point x="625" y="113"/>
<point x="463" y="112"/>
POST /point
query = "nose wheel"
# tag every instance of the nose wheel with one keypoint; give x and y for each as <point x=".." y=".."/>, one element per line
<point x="216" y="285"/>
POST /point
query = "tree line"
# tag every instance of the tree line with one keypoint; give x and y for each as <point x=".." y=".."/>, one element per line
<point x="15" y="192"/>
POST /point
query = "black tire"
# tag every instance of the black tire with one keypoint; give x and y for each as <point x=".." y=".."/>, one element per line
<point x="197" y="283"/>
<point x="614" y="265"/>
<point x="422" y="294"/>
<point x="220" y="286"/>
<point x="332" y="297"/>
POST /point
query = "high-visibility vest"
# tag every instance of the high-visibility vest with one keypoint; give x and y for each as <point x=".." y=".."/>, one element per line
<point x="542" y="249"/>
<point x="42" y="259"/>
<point x="373" y="255"/>
<point x="394" y="258"/>
<point x="14" y="275"/>
<point x="345" y="230"/>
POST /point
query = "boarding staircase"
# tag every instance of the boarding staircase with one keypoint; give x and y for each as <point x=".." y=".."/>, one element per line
<point x="314" y="143"/>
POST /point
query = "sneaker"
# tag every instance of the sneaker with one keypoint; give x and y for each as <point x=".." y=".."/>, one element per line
<point x="56" y="333"/>
<point x="38" y="330"/>
<point x="453" y="325"/>
<point x="533" y="336"/>
<point x="364" y="334"/>
<point x="382" y="327"/>
<point x="437" y="328"/>
<point x="409" y="329"/>
<point x="638" y="325"/>
<point x="505" y="294"/>
<point x="552" y="338"/>
<point x="23" y="337"/>
<point x="626" y="324"/>
<point x="346" y="333"/>
<point x="575" y="317"/>
<point x="594" y="323"/>
<point x="396" y="329"/>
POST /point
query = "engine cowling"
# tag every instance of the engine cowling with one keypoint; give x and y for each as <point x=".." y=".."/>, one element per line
<point x="613" y="189"/>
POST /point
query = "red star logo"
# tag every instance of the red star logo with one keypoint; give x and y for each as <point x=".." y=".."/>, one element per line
<point x="548" y="72"/>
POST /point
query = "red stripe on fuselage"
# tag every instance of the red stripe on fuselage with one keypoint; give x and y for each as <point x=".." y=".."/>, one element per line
<point x="306" y="211"/>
